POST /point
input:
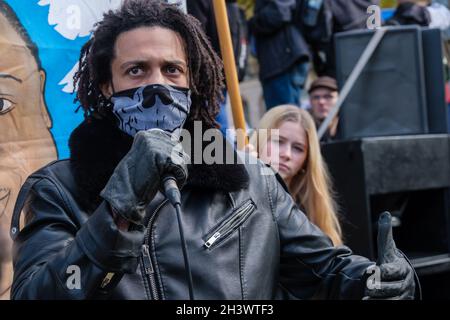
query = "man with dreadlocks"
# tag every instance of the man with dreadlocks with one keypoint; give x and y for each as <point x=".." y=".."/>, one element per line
<point x="96" y="226"/>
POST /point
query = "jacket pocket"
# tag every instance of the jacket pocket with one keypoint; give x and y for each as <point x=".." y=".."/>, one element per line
<point x="232" y="223"/>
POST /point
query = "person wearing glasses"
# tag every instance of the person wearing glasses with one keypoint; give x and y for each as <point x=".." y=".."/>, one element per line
<point x="323" y="96"/>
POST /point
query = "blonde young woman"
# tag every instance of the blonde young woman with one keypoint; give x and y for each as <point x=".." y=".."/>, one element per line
<point x="295" y="153"/>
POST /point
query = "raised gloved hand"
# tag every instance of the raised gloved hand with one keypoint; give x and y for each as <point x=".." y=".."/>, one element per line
<point x="394" y="278"/>
<point x="137" y="177"/>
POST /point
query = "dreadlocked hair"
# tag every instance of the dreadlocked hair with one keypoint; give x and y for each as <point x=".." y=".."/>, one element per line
<point x="204" y="65"/>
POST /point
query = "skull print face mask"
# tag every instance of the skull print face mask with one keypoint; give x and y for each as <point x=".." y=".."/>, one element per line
<point x="151" y="106"/>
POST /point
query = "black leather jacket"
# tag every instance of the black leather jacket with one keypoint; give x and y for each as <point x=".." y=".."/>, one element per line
<point x="267" y="248"/>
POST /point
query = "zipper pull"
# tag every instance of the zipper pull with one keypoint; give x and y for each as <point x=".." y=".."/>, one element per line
<point x="213" y="239"/>
<point x="148" y="266"/>
<point x="107" y="279"/>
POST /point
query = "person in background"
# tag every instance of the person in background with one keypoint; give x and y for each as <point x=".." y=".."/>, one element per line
<point x="410" y="12"/>
<point x="282" y="52"/>
<point x="323" y="96"/>
<point x="332" y="17"/>
<point x="203" y="10"/>
<point x="426" y="13"/>
<point x="300" y="164"/>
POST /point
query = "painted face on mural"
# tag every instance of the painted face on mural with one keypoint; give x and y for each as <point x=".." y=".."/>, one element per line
<point x="26" y="143"/>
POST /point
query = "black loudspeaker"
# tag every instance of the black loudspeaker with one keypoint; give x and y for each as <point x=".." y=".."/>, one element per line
<point x="406" y="175"/>
<point x="401" y="89"/>
<point x="437" y="110"/>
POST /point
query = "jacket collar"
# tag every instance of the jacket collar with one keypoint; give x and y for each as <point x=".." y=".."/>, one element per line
<point x="97" y="146"/>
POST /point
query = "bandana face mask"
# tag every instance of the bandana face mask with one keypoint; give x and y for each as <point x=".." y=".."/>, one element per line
<point x="151" y="106"/>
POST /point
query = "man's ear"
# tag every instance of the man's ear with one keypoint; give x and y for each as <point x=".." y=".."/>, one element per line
<point x="42" y="104"/>
<point x="106" y="89"/>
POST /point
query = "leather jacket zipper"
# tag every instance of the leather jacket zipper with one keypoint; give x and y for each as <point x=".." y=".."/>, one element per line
<point x="149" y="273"/>
<point x="149" y="270"/>
<point x="232" y="223"/>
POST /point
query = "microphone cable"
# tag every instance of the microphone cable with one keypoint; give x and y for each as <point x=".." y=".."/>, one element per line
<point x="173" y="194"/>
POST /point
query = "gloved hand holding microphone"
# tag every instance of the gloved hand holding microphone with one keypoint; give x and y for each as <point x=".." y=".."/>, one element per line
<point x="151" y="114"/>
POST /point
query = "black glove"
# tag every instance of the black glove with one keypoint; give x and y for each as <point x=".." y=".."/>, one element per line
<point x="395" y="275"/>
<point x="137" y="177"/>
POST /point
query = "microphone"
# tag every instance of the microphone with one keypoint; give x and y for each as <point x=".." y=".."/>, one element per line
<point x="171" y="189"/>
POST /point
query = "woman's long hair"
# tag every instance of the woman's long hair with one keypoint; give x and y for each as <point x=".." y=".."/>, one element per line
<point x="311" y="187"/>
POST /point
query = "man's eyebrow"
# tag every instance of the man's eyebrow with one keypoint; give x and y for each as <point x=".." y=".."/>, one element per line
<point x="176" y="62"/>
<point x="143" y="62"/>
<point x="8" y="76"/>
<point x="135" y="62"/>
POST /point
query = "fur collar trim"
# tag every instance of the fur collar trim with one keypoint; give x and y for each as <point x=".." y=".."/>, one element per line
<point x="97" y="146"/>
